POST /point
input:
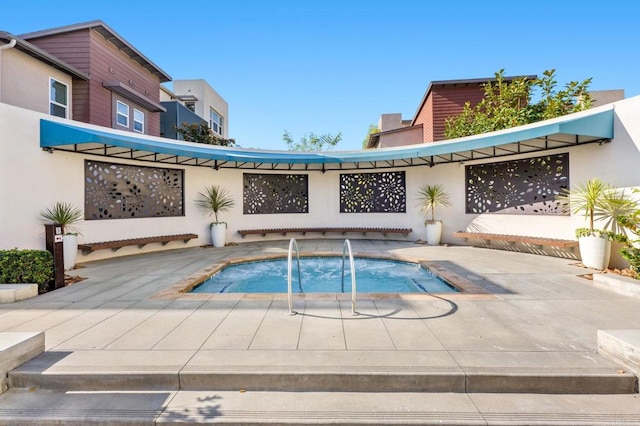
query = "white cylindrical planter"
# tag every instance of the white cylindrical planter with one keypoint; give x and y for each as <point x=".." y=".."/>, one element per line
<point x="434" y="232"/>
<point x="595" y="251"/>
<point x="69" y="250"/>
<point x="218" y="234"/>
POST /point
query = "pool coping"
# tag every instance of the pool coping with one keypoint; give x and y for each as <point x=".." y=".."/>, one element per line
<point x="181" y="289"/>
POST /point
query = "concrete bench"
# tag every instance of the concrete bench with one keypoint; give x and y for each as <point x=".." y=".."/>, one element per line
<point x="513" y="239"/>
<point x="10" y="293"/>
<point x="323" y="231"/>
<point x="140" y="242"/>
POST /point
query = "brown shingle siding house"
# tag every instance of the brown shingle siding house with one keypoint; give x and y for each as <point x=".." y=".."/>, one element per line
<point x="124" y="89"/>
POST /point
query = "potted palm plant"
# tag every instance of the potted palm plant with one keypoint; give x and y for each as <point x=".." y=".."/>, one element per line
<point x="430" y="197"/>
<point x="65" y="214"/>
<point x="214" y="200"/>
<point x="599" y="201"/>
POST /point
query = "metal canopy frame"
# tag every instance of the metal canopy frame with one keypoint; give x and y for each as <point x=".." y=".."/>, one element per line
<point x="587" y="127"/>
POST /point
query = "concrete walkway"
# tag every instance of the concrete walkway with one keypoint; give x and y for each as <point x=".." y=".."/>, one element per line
<point x="120" y="347"/>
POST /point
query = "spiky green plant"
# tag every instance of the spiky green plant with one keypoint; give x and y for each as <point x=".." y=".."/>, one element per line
<point x="66" y="214"/>
<point x="430" y="197"/>
<point x="598" y="201"/>
<point x="214" y="200"/>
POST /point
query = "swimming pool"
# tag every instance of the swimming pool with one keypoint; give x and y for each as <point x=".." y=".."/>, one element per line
<point x="324" y="275"/>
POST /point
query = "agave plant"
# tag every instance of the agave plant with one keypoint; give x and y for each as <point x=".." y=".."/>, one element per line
<point x="214" y="200"/>
<point x="430" y="197"/>
<point x="66" y="214"/>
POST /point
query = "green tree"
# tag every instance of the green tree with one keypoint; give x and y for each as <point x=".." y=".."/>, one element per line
<point x="201" y="133"/>
<point x="508" y="104"/>
<point x="312" y="142"/>
<point x="372" y="129"/>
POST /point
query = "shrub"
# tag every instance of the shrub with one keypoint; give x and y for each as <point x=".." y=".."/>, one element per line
<point x="630" y="220"/>
<point x="26" y="266"/>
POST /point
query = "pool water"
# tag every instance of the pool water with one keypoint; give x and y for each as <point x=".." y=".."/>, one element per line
<point x="324" y="275"/>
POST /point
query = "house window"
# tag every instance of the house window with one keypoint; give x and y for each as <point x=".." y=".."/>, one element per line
<point x="123" y="114"/>
<point x="58" y="98"/>
<point x="216" y="122"/>
<point x="191" y="106"/>
<point x="138" y="121"/>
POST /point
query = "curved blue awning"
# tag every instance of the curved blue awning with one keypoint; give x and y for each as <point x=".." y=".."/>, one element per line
<point x="592" y="126"/>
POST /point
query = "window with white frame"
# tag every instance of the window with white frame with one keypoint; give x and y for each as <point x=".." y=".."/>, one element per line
<point x="216" y="122"/>
<point x="138" y="121"/>
<point x="122" y="111"/>
<point x="58" y="98"/>
<point x="191" y="106"/>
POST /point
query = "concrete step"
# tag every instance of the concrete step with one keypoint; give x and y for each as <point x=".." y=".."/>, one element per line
<point x="16" y="349"/>
<point x="322" y="371"/>
<point x="622" y="346"/>
<point x="40" y="407"/>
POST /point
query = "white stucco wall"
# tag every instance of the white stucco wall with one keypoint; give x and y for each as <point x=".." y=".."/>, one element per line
<point x="615" y="162"/>
<point x="32" y="179"/>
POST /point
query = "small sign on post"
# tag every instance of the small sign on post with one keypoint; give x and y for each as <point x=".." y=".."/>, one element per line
<point x="54" y="244"/>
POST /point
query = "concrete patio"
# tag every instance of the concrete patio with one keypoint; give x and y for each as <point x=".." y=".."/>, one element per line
<point x="121" y="349"/>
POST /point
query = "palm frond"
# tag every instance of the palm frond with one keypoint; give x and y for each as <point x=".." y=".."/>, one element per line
<point x="213" y="200"/>
<point x="66" y="214"/>
<point x="430" y="197"/>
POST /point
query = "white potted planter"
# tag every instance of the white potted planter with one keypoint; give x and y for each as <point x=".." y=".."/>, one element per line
<point x="434" y="232"/>
<point x="65" y="214"/>
<point x="218" y="234"/>
<point x="214" y="200"/>
<point x="595" y="251"/>
<point x="430" y="197"/>
<point x="598" y="201"/>
<point x="69" y="250"/>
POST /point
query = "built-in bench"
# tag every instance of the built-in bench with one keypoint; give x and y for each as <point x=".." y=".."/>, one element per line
<point x="513" y="239"/>
<point x="323" y="231"/>
<point x="140" y="242"/>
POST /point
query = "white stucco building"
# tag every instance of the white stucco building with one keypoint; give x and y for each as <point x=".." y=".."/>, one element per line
<point x="45" y="159"/>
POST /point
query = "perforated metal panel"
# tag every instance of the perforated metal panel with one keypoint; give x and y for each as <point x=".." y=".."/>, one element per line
<point x="119" y="191"/>
<point x="278" y="193"/>
<point x="528" y="186"/>
<point x="373" y="193"/>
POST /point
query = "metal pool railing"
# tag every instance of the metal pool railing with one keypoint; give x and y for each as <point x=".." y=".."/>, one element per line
<point x="292" y="244"/>
<point x="346" y="248"/>
<point x="347" y="245"/>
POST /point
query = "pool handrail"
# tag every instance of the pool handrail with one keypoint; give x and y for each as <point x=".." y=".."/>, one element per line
<point x="292" y="244"/>
<point x="347" y="245"/>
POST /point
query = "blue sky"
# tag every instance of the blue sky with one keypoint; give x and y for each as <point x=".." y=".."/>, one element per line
<point x="334" y="66"/>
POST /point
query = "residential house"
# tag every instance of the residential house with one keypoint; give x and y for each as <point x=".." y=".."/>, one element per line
<point x="124" y="89"/>
<point x="207" y="103"/>
<point x="176" y="113"/>
<point x="443" y="99"/>
<point x="193" y="101"/>
<point x="34" y="79"/>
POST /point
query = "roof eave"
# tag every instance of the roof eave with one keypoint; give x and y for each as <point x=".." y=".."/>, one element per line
<point x="39" y="54"/>
<point x="113" y="37"/>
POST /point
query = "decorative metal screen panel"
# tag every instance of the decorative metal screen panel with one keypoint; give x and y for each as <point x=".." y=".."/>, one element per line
<point x="521" y="186"/>
<point x="373" y="193"/>
<point x="119" y="191"/>
<point x="268" y="194"/>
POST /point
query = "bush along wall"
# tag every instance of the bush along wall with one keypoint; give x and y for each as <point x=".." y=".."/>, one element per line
<point x="26" y="266"/>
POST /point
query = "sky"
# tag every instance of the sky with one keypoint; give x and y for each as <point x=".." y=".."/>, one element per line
<point x="334" y="66"/>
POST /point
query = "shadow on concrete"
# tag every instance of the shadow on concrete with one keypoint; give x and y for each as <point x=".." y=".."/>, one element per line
<point x="393" y="314"/>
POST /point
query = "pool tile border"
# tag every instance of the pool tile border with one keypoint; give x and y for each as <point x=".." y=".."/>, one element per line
<point x="181" y="289"/>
